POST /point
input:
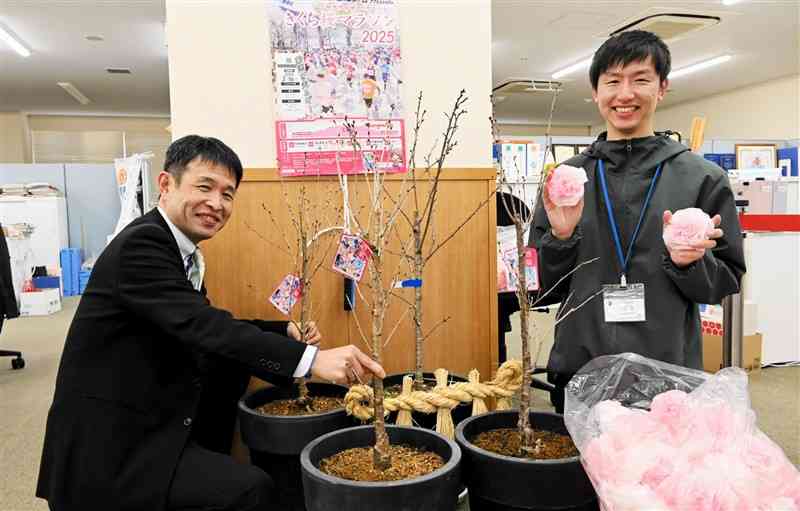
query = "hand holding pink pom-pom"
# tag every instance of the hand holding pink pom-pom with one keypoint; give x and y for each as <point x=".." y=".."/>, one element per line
<point x="688" y="227"/>
<point x="688" y="233"/>
<point x="565" y="186"/>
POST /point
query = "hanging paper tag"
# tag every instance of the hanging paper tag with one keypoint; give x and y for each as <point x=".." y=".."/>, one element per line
<point x="507" y="270"/>
<point x="286" y="295"/>
<point x="623" y="304"/>
<point x="352" y="256"/>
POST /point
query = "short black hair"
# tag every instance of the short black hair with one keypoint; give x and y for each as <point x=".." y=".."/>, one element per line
<point x="627" y="47"/>
<point x="211" y="150"/>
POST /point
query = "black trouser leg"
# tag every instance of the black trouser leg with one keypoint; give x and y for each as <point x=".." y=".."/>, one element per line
<point x="206" y="480"/>
<point x="502" y="352"/>
<point x="559" y="381"/>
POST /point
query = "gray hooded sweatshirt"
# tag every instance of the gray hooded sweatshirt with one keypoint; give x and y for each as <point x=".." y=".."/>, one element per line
<point x="671" y="332"/>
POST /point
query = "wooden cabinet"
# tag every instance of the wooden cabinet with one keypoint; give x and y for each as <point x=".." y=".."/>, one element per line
<point x="245" y="264"/>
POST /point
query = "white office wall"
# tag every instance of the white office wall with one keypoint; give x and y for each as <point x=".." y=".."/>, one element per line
<point x="765" y="111"/>
<point x="220" y="73"/>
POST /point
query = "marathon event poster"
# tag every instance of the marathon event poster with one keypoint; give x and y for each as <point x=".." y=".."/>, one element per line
<point x="337" y="60"/>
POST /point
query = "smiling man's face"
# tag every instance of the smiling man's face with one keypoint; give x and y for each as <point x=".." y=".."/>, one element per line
<point x="627" y="98"/>
<point x="200" y="203"/>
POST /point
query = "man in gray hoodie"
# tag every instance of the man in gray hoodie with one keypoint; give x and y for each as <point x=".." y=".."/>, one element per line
<point x="637" y="179"/>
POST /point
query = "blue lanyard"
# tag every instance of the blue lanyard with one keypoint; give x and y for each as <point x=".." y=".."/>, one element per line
<point x="624" y="260"/>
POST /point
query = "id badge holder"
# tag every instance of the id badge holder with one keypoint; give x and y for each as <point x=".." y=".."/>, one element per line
<point x="623" y="303"/>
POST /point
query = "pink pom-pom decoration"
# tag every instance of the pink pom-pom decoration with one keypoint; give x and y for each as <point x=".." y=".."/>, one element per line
<point x="688" y="226"/>
<point x="565" y="186"/>
<point x="687" y="454"/>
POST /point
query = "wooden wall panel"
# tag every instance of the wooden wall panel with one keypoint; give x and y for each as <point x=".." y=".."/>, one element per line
<point x="243" y="269"/>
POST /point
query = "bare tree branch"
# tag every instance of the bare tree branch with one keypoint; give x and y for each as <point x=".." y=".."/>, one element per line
<point x="573" y="309"/>
<point x="436" y="326"/>
<point x="361" y="333"/>
<point x="396" y="326"/>
<point x="460" y="226"/>
<point x="266" y="240"/>
<point x="562" y="279"/>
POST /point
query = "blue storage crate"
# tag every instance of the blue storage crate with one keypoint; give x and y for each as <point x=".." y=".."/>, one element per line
<point x="727" y="161"/>
<point x="70" y="268"/>
<point x="713" y="157"/>
<point x="83" y="279"/>
<point x="46" y="282"/>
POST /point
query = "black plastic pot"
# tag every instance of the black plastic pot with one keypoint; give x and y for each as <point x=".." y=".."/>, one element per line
<point x="428" y="420"/>
<point x="437" y="491"/>
<point x="497" y="482"/>
<point x="276" y="441"/>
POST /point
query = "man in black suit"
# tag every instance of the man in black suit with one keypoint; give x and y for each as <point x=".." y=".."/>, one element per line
<point x="145" y="396"/>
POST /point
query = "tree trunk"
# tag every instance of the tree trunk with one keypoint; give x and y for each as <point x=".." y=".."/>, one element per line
<point x="523" y="424"/>
<point x="418" y="267"/>
<point x="380" y="454"/>
<point x="304" y="306"/>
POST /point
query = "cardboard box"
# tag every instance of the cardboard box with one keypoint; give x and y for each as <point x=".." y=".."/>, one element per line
<point x="40" y="303"/>
<point x="712" y="352"/>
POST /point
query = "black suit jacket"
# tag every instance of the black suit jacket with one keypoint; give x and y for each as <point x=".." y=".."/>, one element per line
<point x="142" y="347"/>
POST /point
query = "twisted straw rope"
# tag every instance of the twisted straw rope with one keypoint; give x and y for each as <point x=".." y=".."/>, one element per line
<point x="358" y="401"/>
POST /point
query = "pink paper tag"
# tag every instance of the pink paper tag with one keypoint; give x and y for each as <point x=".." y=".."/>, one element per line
<point x="507" y="270"/>
<point x="352" y="256"/>
<point x="286" y="295"/>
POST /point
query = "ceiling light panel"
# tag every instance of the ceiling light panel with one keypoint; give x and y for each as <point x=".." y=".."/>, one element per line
<point x="74" y="92"/>
<point x="699" y="66"/>
<point x="578" y="66"/>
<point x="8" y="38"/>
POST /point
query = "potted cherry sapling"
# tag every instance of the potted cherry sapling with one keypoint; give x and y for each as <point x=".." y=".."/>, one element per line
<point x="379" y="466"/>
<point x="277" y="422"/>
<point x="520" y="459"/>
<point x="423" y="187"/>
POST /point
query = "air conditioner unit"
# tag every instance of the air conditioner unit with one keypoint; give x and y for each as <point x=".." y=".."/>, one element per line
<point x="526" y="86"/>
<point x="670" y="26"/>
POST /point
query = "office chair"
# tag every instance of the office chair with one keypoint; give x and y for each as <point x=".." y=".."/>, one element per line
<point x="16" y="363"/>
<point x="8" y="302"/>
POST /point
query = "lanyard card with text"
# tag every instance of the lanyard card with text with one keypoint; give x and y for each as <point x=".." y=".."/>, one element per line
<point x="623" y="303"/>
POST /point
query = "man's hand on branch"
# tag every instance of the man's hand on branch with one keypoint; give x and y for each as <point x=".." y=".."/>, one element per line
<point x="312" y="333"/>
<point x="346" y="365"/>
<point x="563" y="219"/>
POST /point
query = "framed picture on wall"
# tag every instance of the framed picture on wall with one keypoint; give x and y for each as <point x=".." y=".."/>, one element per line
<point x="756" y="156"/>
<point x="563" y="152"/>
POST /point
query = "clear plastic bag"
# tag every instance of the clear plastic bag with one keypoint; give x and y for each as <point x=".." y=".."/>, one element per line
<point x="654" y="435"/>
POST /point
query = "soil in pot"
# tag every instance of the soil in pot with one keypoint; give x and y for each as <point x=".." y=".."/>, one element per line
<point x="435" y="491"/>
<point x="506" y="441"/>
<point x="293" y="407"/>
<point x="276" y="439"/>
<point x="506" y="482"/>
<point x="356" y="464"/>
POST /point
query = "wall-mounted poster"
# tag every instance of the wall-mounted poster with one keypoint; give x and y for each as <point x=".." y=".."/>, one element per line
<point x="337" y="63"/>
<point x="534" y="161"/>
<point x="756" y="156"/>
<point x="514" y="161"/>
